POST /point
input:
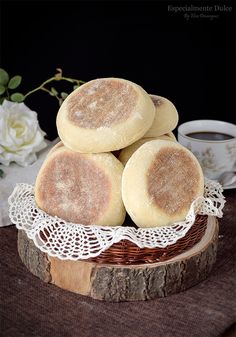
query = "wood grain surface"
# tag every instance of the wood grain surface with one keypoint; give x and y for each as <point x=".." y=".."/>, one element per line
<point x="124" y="282"/>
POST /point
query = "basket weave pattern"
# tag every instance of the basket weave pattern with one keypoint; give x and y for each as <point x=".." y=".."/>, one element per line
<point x="126" y="252"/>
<point x="70" y="241"/>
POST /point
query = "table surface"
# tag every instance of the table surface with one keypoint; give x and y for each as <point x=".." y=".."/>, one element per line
<point x="30" y="307"/>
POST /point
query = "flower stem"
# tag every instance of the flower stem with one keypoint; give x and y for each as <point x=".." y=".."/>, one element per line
<point x="54" y="78"/>
<point x="7" y="92"/>
<point x="49" y="92"/>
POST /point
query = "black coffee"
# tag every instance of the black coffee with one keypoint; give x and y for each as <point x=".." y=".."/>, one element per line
<point x="209" y="135"/>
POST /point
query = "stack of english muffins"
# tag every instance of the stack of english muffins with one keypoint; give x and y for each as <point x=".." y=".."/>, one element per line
<point x="118" y="154"/>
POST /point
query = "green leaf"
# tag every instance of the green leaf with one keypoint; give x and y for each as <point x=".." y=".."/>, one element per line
<point x="64" y="95"/>
<point x="2" y="89"/>
<point x="4" y="77"/>
<point x="1" y="99"/>
<point x="14" y="82"/>
<point x="54" y="92"/>
<point x="17" y="97"/>
<point x="75" y="87"/>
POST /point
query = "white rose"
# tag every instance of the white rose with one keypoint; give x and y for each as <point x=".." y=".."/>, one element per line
<point x="20" y="134"/>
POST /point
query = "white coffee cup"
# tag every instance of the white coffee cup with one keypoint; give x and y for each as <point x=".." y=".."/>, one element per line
<point x="215" y="156"/>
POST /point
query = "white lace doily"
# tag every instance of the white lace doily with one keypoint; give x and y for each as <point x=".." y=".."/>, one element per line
<point x="72" y="241"/>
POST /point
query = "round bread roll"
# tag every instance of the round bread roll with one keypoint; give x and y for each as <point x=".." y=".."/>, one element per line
<point x="127" y="152"/>
<point x="104" y="115"/>
<point x="81" y="188"/>
<point x="55" y="147"/>
<point x="159" y="183"/>
<point x="170" y="135"/>
<point x="166" y="117"/>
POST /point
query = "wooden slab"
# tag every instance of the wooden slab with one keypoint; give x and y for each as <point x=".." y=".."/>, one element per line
<point x="121" y="282"/>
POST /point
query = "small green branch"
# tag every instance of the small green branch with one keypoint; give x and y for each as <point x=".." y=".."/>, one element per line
<point x="50" y="93"/>
<point x="7" y="92"/>
<point x="54" y="78"/>
<point x="7" y="83"/>
<point x="46" y="90"/>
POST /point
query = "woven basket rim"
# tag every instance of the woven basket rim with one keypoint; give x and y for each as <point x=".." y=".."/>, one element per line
<point x="126" y="252"/>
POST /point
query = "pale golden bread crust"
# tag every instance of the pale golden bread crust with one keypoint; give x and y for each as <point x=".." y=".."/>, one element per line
<point x="159" y="183"/>
<point x="81" y="188"/>
<point x="104" y="115"/>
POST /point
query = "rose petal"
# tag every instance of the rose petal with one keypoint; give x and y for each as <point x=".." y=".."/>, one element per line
<point x="20" y="134"/>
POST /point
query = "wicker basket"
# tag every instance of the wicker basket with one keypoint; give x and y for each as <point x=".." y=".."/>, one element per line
<point x="126" y="252"/>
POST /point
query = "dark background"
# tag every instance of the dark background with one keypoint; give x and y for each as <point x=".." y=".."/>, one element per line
<point x="191" y="62"/>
